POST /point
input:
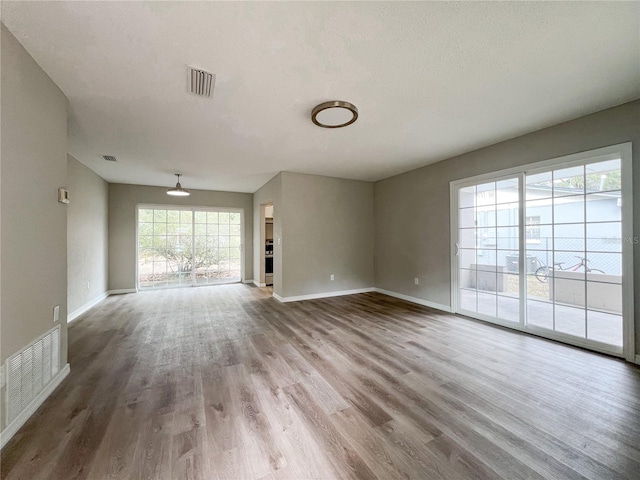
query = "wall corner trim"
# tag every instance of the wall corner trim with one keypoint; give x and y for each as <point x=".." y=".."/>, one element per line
<point x="122" y="291"/>
<point x="419" y="301"/>
<point x="314" y="296"/>
<point x="21" y="419"/>
<point x="87" y="306"/>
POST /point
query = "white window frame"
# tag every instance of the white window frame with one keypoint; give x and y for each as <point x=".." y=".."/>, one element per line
<point x="624" y="152"/>
<point x="193" y="209"/>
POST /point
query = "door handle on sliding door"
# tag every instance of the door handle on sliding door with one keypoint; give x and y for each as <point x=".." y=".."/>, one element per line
<point x="457" y="249"/>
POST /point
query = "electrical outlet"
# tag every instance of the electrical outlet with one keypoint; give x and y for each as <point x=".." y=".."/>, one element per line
<point x="416" y="281"/>
<point x="333" y="277"/>
<point x="56" y="313"/>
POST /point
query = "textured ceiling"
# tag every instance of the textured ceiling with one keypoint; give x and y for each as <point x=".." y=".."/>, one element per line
<point x="431" y="80"/>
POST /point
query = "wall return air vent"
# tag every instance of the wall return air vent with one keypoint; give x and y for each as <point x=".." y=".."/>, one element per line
<point x="201" y="83"/>
<point x="109" y="158"/>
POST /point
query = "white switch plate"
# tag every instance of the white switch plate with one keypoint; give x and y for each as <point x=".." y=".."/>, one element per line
<point x="56" y="313"/>
<point x="333" y="277"/>
<point x="416" y="281"/>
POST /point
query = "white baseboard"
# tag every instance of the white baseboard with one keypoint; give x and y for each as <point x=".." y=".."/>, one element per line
<point x="315" y="296"/>
<point x="249" y="281"/>
<point x="121" y="291"/>
<point x="258" y="284"/>
<point x="419" y="301"/>
<point x="21" y="419"/>
<point x="637" y="361"/>
<point x="79" y="311"/>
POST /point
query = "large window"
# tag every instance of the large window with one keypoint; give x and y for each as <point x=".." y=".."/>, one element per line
<point x="180" y="246"/>
<point x="547" y="248"/>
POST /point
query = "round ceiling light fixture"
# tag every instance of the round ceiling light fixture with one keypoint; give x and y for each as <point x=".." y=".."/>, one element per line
<point x="334" y="114"/>
<point x="178" y="191"/>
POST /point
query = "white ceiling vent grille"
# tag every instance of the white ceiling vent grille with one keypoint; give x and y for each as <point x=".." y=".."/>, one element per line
<point x="109" y="158"/>
<point x="200" y="82"/>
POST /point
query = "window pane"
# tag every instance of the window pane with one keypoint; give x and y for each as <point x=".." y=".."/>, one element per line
<point x="605" y="207"/>
<point x="568" y="181"/>
<point x="539" y="186"/>
<point x="467" y="238"/>
<point x="507" y="191"/>
<point x="542" y="209"/>
<point x="200" y="217"/>
<point x="604" y="176"/>
<point x="507" y="214"/>
<point x="604" y="237"/>
<point x="486" y="194"/>
<point x="234" y="218"/>
<point x="569" y="237"/>
<point x="159" y="215"/>
<point x="568" y="209"/>
<point x="186" y="216"/>
<point x="467" y="197"/>
<point x="173" y="216"/>
<point x="570" y="320"/>
<point x="145" y="215"/>
<point x="467" y="217"/>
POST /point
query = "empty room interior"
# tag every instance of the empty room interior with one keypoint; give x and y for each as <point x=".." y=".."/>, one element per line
<point x="320" y="240"/>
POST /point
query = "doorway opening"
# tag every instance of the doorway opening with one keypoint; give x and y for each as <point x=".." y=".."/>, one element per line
<point x="266" y="245"/>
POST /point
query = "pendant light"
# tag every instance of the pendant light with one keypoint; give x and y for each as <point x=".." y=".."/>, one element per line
<point x="178" y="191"/>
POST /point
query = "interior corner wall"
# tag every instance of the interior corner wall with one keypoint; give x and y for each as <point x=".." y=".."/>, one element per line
<point x="123" y="201"/>
<point x="270" y="192"/>
<point x="34" y="225"/>
<point x="412" y="211"/>
<point x="327" y="229"/>
<point x="87" y="236"/>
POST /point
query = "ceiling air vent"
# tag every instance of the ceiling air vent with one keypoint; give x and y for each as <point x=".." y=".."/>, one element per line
<point x="200" y="82"/>
<point x="109" y="158"/>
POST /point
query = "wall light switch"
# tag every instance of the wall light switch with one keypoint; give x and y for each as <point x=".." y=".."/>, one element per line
<point x="56" y="313"/>
<point x="416" y="281"/>
<point x="333" y="277"/>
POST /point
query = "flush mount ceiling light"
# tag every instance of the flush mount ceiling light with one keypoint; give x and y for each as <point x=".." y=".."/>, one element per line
<point x="178" y="191"/>
<point x="334" y="114"/>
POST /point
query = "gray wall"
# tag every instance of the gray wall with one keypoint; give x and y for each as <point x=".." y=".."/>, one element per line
<point x="123" y="200"/>
<point x="270" y="192"/>
<point x="327" y="228"/>
<point x="87" y="235"/>
<point x="412" y="237"/>
<point x="34" y="225"/>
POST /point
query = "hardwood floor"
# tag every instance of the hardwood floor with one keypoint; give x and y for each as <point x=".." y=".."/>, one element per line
<point x="225" y="382"/>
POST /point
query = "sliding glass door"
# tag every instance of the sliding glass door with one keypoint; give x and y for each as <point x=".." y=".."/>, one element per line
<point x="487" y="248"/>
<point x="180" y="246"/>
<point x="577" y="290"/>
<point x="542" y="249"/>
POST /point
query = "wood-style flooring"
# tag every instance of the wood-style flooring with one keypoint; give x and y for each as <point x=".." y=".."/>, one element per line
<point x="227" y="383"/>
